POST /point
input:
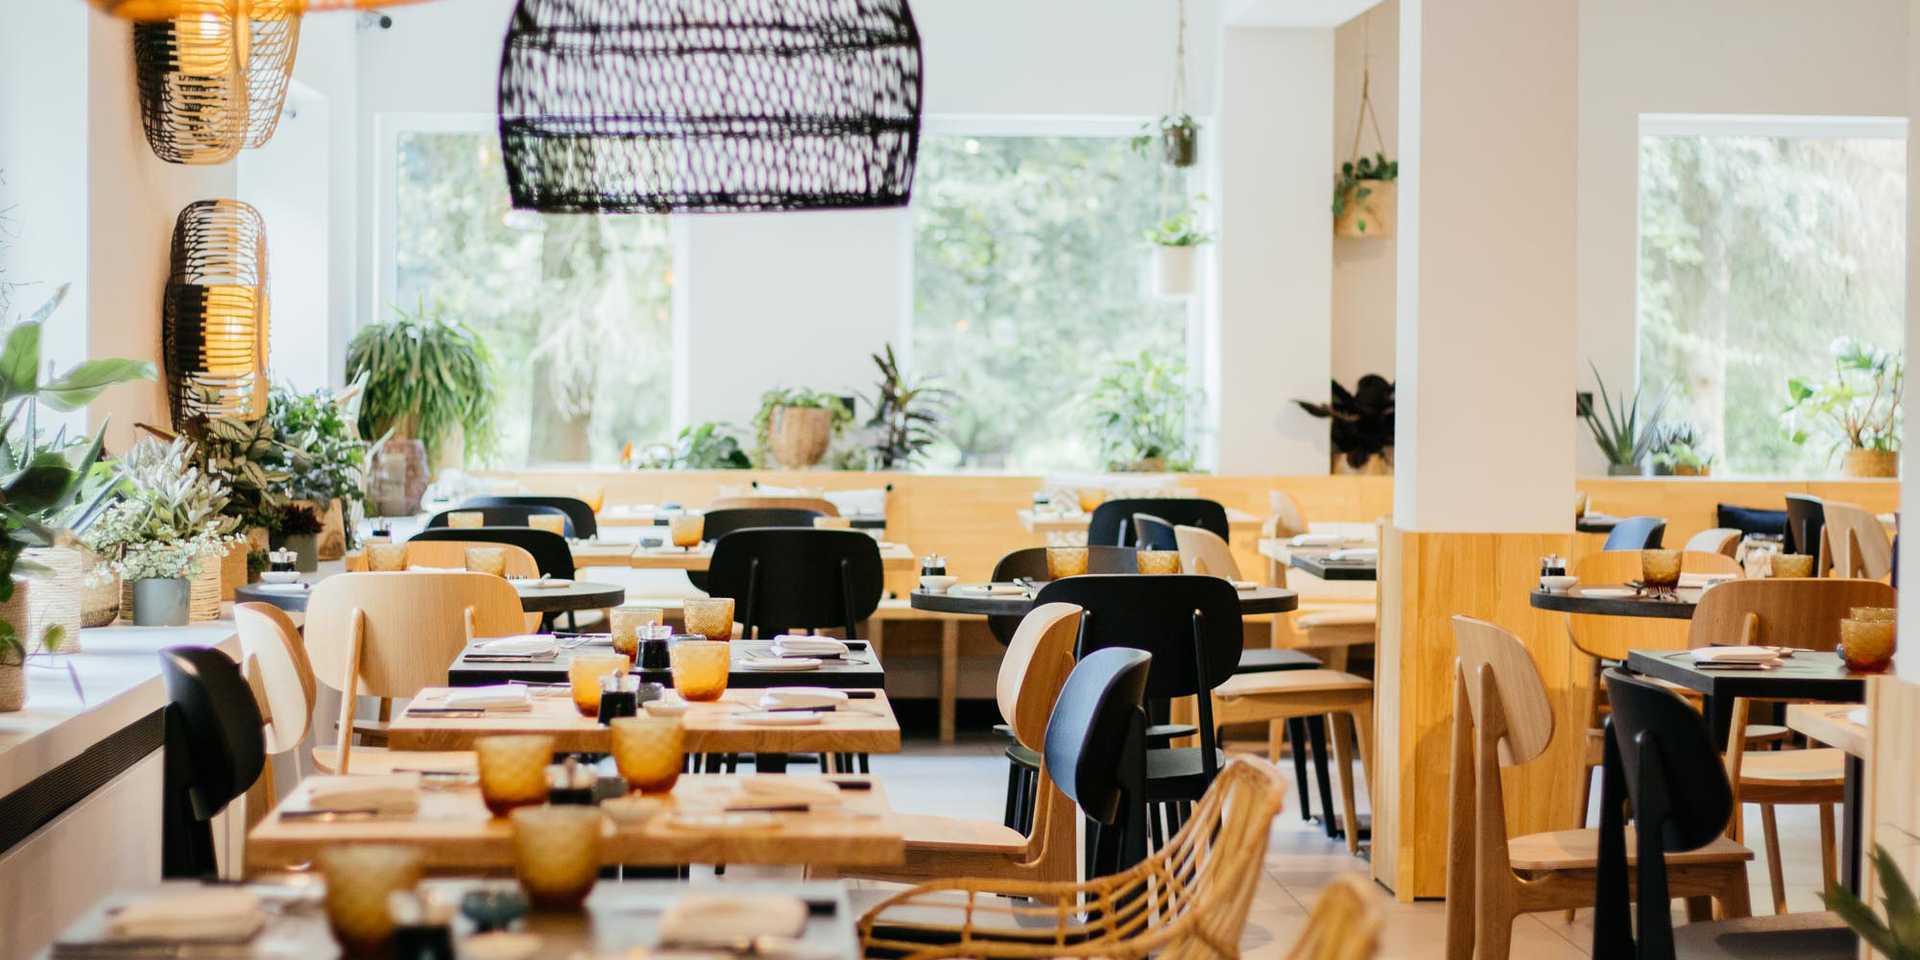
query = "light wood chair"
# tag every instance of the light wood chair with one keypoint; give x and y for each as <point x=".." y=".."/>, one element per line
<point x="1284" y="517"/>
<point x="1804" y="615"/>
<point x="1345" y="923"/>
<point x="1855" y="543"/>
<point x="1285" y="695"/>
<point x="452" y="555"/>
<point x="1717" y="540"/>
<point x="1189" y="900"/>
<point x="1502" y="718"/>
<point x="820" y="505"/>
<point x="388" y="635"/>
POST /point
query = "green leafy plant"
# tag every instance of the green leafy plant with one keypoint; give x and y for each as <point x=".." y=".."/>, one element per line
<point x="712" y="445"/>
<point x="1625" y="437"/>
<point x="1360" y="421"/>
<point x="906" y="414"/>
<point x="1140" y="414"/>
<point x="1176" y="133"/>
<point x="1180" y="229"/>
<point x="171" y="518"/>
<point x="323" y="450"/>
<point x="1350" y="186"/>
<point x="1678" y="451"/>
<point x="1859" y="407"/>
<point x="800" y="397"/>
<point x="298" y="521"/>
<point x="424" y="376"/>
<point x="248" y="457"/>
<point x="1898" y="936"/>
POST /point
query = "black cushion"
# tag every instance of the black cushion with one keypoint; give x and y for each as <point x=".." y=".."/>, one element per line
<point x="1771" y="523"/>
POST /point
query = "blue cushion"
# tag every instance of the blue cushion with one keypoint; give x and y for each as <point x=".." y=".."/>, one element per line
<point x="1752" y="520"/>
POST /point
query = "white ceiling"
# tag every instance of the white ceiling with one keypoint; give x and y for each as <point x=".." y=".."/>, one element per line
<point x="1292" y="13"/>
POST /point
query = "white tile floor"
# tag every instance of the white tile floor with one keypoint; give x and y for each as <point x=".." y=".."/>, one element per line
<point x="969" y="779"/>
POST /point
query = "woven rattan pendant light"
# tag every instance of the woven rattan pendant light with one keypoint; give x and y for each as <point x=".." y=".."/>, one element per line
<point x="651" y="106"/>
<point x="150" y="10"/>
<point x="214" y="317"/>
<point x="212" y="79"/>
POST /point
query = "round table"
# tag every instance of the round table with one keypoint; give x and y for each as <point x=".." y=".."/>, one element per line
<point x="1256" y="601"/>
<point x="1596" y="523"/>
<point x="578" y="595"/>
<point x="1575" y="600"/>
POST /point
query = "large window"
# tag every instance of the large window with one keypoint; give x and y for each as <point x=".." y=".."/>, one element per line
<point x="1762" y="242"/>
<point x="1030" y="285"/>
<point x="576" y="308"/>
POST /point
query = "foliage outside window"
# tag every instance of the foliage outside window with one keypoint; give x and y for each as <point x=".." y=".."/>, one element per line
<point x="1758" y="253"/>
<point x="577" y="309"/>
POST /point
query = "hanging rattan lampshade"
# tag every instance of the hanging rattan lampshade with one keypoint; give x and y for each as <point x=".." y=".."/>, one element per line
<point x="650" y="106"/>
<point x="212" y="79"/>
<point x="150" y="10"/>
<point x="214" y="316"/>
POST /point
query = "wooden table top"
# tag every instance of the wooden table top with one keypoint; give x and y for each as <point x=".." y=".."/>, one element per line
<point x="457" y="833"/>
<point x="1316" y="563"/>
<point x="863" y="726"/>
<point x="1259" y="600"/>
<point x="1577" y="600"/>
<point x="578" y="595"/>
<point x="601" y="553"/>
<point x="1057" y="521"/>
<point x="1829" y="724"/>
<point x="1807" y="675"/>
<point x="861" y="669"/>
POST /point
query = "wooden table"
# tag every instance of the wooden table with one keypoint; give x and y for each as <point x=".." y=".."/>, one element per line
<point x="578" y="595"/>
<point x="457" y="833"/>
<point x="861" y="670"/>
<point x="1807" y="675"/>
<point x="1055" y="522"/>
<point x="1596" y="523"/>
<point x="618" y="917"/>
<point x="1576" y="600"/>
<point x="1830" y="724"/>
<point x="601" y="553"/>
<point x="894" y="557"/>
<point x="1259" y="600"/>
<point x="863" y="726"/>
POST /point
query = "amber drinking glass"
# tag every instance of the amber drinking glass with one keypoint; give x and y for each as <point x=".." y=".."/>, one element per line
<point x="710" y="617"/>
<point x="491" y="560"/>
<point x="550" y="522"/>
<point x="1792" y="565"/>
<point x="584" y="673"/>
<point x="626" y="623"/>
<point x="1066" y="562"/>
<point x="1888" y="614"/>
<point x="1090" y="498"/>
<point x="360" y="878"/>
<point x="686" y="528"/>
<point x="1660" y="570"/>
<point x="556" y="853"/>
<point x="513" y="771"/>
<point x="649" y="752"/>
<point x="466" y="519"/>
<point x="1157" y="561"/>
<point x="1866" y="646"/>
<point x="386" y="557"/>
<point x="833" y="523"/>
<point x="700" y="669"/>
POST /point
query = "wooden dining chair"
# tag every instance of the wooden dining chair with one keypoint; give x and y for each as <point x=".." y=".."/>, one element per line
<point x="1636" y="533"/>
<point x="389" y="635"/>
<point x="819" y="505"/>
<point x="1031" y="563"/>
<point x="1802" y="615"/>
<point x="1716" y="540"/>
<point x="452" y="555"/>
<point x="1854" y="543"/>
<point x="1503" y="718"/>
<point x="1151" y="532"/>
<point x="1187" y="901"/>
<point x="212" y="752"/>
<point x="1284" y="517"/>
<point x="579" y="513"/>
<point x="1806" y="523"/>
<point x="790" y="578"/>
<point x="719" y="522"/>
<point x="1331" y="695"/>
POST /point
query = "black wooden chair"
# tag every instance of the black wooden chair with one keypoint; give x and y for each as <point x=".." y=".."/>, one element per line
<point x="579" y="514"/>
<point x="1636" y="533"/>
<point x="507" y="515"/>
<point x="719" y="523"/>
<point x="550" y="552"/>
<point x="788" y="578"/>
<point x="1112" y="521"/>
<point x="214" y="751"/>
<point x="1806" y="520"/>
<point x="1096" y="749"/>
<point x="1031" y="563"/>
<point x="1659" y="760"/>
<point x="1153" y="533"/>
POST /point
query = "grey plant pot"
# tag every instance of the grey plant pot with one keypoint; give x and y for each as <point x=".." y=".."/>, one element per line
<point x="161" y="602"/>
<point x="306" y="548"/>
<point x="1625" y="470"/>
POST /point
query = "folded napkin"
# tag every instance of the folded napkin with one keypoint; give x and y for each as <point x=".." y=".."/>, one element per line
<point x="721" y="920"/>
<point x="382" y="792"/>
<point x="1736" y="655"/>
<point x="1316" y="540"/>
<point x="1705" y="579"/>
<point x="783" y="790"/>
<point x="788" y="645"/>
<point x="1355" y="553"/>
<point x="532" y="644"/>
<point x="802" y="697"/>
<point x="422" y="568"/>
<point x="206" y="914"/>
<point x="502" y="696"/>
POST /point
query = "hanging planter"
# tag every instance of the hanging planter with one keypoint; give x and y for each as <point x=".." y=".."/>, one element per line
<point x="1177" y="136"/>
<point x="1364" y="195"/>
<point x="1173" y="271"/>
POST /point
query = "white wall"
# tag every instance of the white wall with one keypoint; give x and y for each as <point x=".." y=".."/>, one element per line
<point x="288" y="181"/>
<point x="1841" y="57"/>
<point x="1363" y="268"/>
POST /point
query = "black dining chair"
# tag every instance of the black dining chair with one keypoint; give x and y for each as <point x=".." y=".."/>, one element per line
<point x="507" y="515"/>
<point x="1031" y="563"/>
<point x="1660" y="762"/>
<point x="1112" y="521"/>
<point x="1806" y="520"/>
<point x="1096" y="749"/>
<point x="1636" y="533"/>
<point x="584" y="525"/>
<point x="787" y="578"/>
<point x="719" y="523"/>
<point x="550" y="553"/>
<point x="214" y="751"/>
<point x="1153" y="533"/>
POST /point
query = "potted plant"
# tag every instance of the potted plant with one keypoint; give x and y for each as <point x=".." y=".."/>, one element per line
<point x="298" y="529"/>
<point x="1360" y="422"/>
<point x="906" y="414"/>
<point x="1176" y="241"/>
<point x="1139" y="414"/>
<point x="796" y="426"/>
<point x="325" y="459"/>
<point x="162" y="536"/>
<point x="712" y="445"/>
<point x="1363" y="197"/>
<point x="428" y="380"/>
<point x="246" y="456"/>
<point x="1859" y="408"/>
<point x="1624" y="437"/>
<point x="1898" y="936"/>
<point x="1177" y="135"/>
<point x="1678" y="453"/>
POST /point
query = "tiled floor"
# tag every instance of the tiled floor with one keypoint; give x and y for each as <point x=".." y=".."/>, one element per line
<point x="969" y="779"/>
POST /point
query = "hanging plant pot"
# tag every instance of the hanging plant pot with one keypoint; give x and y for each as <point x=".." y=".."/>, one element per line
<point x="1179" y="145"/>
<point x="1368" y="211"/>
<point x="1876" y="464"/>
<point x="1173" y="271"/>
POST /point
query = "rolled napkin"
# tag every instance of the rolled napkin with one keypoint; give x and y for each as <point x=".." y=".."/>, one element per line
<point x="528" y="645"/>
<point x="802" y="697"/>
<point x="776" y="790"/>
<point x="387" y="793"/>
<point x="721" y="920"/>
<point x="789" y="645"/>
<point x="1355" y="553"/>
<point x="206" y="914"/>
<point x="502" y="696"/>
<point x="1753" y="655"/>
<point x="1316" y="540"/>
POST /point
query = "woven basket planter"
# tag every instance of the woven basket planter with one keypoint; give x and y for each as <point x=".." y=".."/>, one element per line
<point x="13" y="687"/>
<point x="55" y="597"/>
<point x="100" y="600"/>
<point x="233" y="569"/>
<point x="798" y="436"/>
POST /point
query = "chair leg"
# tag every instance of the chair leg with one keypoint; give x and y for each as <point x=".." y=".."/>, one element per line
<point x="1735" y="901"/>
<point x="1317" y="738"/>
<point x="1829" y="869"/>
<point x="1297" y="740"/>
<point x="1343" y="758"/>
<point x="1771" y="829"/>
<point x="1584" y="796"/>
<point x="1014" y="776"/>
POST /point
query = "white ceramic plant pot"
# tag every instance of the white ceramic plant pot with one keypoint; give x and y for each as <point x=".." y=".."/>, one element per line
<point x="1173" y="270"/>
<point x="161" y="602"/>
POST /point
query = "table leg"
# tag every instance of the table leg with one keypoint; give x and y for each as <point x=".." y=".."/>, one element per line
<point x="949" y="676"/>
<point x="1719" y="713"/>
<point x="1851" y="808"/>
<point x="770" y="763"/>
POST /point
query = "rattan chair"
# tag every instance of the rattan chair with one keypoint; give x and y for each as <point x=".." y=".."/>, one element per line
<point x="1345" y="923"/>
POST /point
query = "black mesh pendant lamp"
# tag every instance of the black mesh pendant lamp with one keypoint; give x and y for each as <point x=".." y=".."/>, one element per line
<point x="655" y="106"/>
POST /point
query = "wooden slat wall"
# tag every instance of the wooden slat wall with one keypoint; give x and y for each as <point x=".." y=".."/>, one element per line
<point x="1892" y="817"/>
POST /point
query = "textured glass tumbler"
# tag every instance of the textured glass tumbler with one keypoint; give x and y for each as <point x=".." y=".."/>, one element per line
<point x="700" y="669"/>
<point x="710" y="617"/>
<point x="649" y="751"/>
<point x="556" y="853"/>
<point x="584" y="673"/>
<point x="1157" y="561"/>
<point x="1065" y="562"/>
<point x="360" y="878"/>
<point x="513" y="771"/>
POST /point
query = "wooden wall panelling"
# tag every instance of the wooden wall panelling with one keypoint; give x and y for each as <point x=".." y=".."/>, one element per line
<point x="1688" y="503"/>
<point x="1892" y="817"/>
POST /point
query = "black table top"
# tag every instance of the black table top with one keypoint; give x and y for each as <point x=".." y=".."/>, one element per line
<point x="861" y="670"/>
<point x="1596" y="523"/>
<point x="1575" y="600"/>
<point x="578" y="595"/>
<point x="1316" y="563"/>
<point x="1256" y="601"/>
<point x="1807" y="675"/>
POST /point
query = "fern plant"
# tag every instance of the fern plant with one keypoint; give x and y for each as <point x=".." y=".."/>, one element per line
<point x="425" y="375"/>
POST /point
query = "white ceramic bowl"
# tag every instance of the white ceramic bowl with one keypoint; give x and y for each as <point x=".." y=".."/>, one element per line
<point x="280" y="576"/>
<point x="938" y="584"/>
<point x="1558" y="584"/>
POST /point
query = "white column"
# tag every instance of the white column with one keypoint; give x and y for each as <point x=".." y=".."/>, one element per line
<point x="1485" y="423"/>
<point x="1906" y="660"/>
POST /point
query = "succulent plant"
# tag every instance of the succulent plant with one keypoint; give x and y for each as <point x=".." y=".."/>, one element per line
<point x="172" y="515"/>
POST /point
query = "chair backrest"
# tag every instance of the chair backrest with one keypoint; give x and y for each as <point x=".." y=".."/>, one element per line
<point x="1806" y="518"/>
<point x="1156" y="614"/>
<point x="782" y="578"/>
<point x="1204" y="553"/>
<point x="1526" y="713"/>
<point x="1112" y="521"/>
<point x="1700" y="799"/>
<point x="1636" y="533"/>
<point x="452" y="555"/>
<point x="550" y="551"/>
<point x="1153" y="533"/>
<point x="1284" y="516"/>
<point x="1716" y="540"/>
<point x="279" y="671"/>
<point x="415" y="624"/>
<point x="1802" y="614"/>
<point x="505" y="515"/>
<point x="1857" y="542"/>
<point x="220" y="722"/>
<point x="1345" y="923"/>
<point x="1034" y="668"/>
<point x="1031" y="562"/>
<point x="1097" y="721"/>
<point x="726" y="520"/>
<point x="1750" y="520"/>
<point x="579" y="512"/>
<point x="819" y="505"/>
<point x="1610" y="638"/>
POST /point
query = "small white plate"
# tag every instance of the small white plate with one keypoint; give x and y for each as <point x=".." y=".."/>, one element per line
<point x="280" y="577"/>
<point x="666" y="708"/>
<point x="1244" y="585"/>
<point x="779" y="664"/>
<point x="802" y="697"/>
<point x="762" y="718"/>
